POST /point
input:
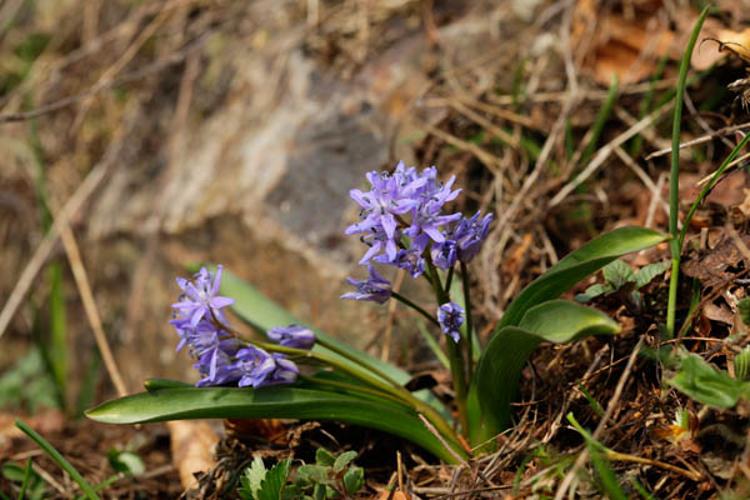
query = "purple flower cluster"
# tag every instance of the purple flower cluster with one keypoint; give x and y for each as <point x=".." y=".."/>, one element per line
<point x="221" y="357"/>
<point x="402" y="221"/>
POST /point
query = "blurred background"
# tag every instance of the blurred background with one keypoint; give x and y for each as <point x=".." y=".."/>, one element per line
<point x="140" y="137"/>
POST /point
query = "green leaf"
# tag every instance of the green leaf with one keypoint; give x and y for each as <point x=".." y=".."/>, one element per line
<point x="594" y="291"/>
<point x="252" y="479"/>
<point x="57" y="457"/>
<point x="354" y="480"/>
<point x="618" y="274"/>
<point x="588" y="259"/>
<point x="308" y="403"/>
<point x="127" y="462"/>
<point x="324" y="457"/>
<point x="742" y="364"/>
<point x="263" y="314"/>
<point x="272" y="486"/>
<point x="604" y="471"/>
<point x="496" y="381"/>
<point x="313" y="473"/>
<point x="343" y="460"/>
<point x="743" y="307"/>
<point x="702" y="382"/>
<point x="647" y="273"/>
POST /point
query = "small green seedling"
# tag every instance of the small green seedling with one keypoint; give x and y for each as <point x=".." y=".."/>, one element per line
<point x="620" y="277"/>
<point x="329" y="477"/>
<point x="258" y="483"/>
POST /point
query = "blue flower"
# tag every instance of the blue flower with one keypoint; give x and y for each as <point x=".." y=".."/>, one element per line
<point x="258" y="368"/>
<point x="221" y="358"/>
<point x="255" y="365"/>
<point x="444" y="254"/>
<point x="470" y="235"/>
<point x="375" y="288"/>
<point x="199" y="298"/>
<point x="295" y="336"/>
<point x="451" y="317"/>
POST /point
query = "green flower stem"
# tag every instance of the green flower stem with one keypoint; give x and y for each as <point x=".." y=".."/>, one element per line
<point x="358" y="362"/>
<point x="414" y="306"/>
<point x="674" y="176"/>
<point x="455" y="357"/>
<point x="366" y="375"/>
<point x="449" y="279"/>
<point x="469" y="323"/>
<point x="359" y="389"/>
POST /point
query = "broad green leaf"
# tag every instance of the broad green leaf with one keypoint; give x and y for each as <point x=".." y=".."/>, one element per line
<point x="324" y="457"/>
<point x="702" y="382"/>
<point x="594" y="291"/>
<point x="618" y="274"/>
<point x="354" y="479"/>
<point x="263" y="314"/>
<point x="272" y="485"/>
<point x="588" y="259"/>
<point x="562" y="321"/>
<point x="343" y="460"/>
<point x="251" y="479"/>
<point x="271" y="402"/>
<point x="647" y="273"/>
<point x="496" y="381"/>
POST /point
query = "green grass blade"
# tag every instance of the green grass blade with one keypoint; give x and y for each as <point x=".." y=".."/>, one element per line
<point x="674" y="174"/>
<point x="26" y="480"/>
<point x="715" y="177"/>
<point x="57" y="457"/>
<point x="604" y="471"/>
<point x="55" y="349"/>
<point x="499" y="370"/>
<point x="432" y="343"/>
<point x="305" y="403"/>
<point x="601" y="119"/>
<point x="588" y="259"/>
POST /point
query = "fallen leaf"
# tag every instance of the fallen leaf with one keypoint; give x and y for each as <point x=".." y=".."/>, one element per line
<point x="192" y="443"/>
<point x="718" y="313"/>
<point x="396" y="495"/>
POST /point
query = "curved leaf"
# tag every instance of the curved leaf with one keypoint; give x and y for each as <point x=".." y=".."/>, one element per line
<point x="263" y="314"/>
<point x="496" y="381"/>
<point x="588" y="259"/>
<point x="270" y="402"/>
<point x="699" y="380"/>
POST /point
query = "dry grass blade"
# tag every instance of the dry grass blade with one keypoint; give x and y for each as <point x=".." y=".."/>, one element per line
<point x="565" y="484"/>
<point x="603" y="154"/>
<point x="62" y="219"/>
<point x="89" y="305"/>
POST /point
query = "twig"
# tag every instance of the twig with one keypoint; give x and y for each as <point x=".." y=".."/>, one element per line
<point x="624" y="457"/>
<point x="490" y="161"/>
<point x="643" y="176"/>
<point x="606" y="151"/>
<point x="442" y="440"/>
<point x="613" y="402"/>
<point x="134" y="75"/>
<point x="51" y="480"/>
<point x="486" y="124"/>
<point x="89" y="306"/>
<point x="71" y="207"/>
<point x="702" y="139"/>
